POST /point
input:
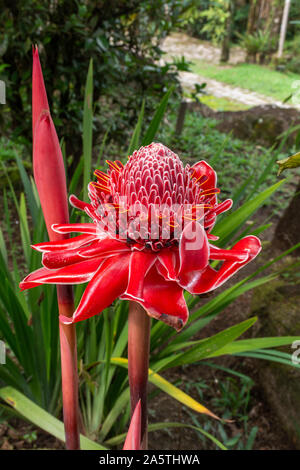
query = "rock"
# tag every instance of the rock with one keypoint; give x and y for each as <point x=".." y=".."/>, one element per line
<point x="287" y="232"/>
<point x="6" y="445"/>
<point x="277" y="305"/>
<point x="3" y="429"/>
<point x="260" y="124"/>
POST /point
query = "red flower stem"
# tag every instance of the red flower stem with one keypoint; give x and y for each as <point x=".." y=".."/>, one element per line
<point x="138" y="363"/>
<point x="69" y="374"/>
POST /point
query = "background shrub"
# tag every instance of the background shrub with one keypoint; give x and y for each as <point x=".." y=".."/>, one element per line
<point x="121" y="36"/>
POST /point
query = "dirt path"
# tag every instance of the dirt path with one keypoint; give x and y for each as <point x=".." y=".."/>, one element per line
<point x="179" y="44"/>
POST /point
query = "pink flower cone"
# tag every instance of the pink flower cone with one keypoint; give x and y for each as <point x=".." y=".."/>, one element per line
<point x="149" y="238"/>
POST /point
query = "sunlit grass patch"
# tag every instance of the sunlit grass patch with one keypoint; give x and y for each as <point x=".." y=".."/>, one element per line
<point x="253" y="77"/>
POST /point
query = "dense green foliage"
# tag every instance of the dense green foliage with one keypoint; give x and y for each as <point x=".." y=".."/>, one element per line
<point x="122" y="38"/>
<point x="206" y="19"/>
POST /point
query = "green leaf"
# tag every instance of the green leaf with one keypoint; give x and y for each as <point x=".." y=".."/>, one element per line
<point x="291" y="162"/>
<point x="264" y="174"/>
<point x="3" y="249"/>
<point x="232" y="222"/>
<point x="155" y="123"/>
<point x="102" y="147"/>
<point x="114" y="413"/>
<point x="27" y="188"/>
<point x="204" y="348"/>
<point x="36" y="415"/>
<point x="135" y="139"/>
<point x="24" y="228"/>
<point x="76" y="176"/>
<point x="271" y="355"/>
<point x="252" y="344"/>
<point x="169" y="388"/>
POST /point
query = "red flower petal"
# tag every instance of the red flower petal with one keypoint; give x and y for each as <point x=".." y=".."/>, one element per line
<point x="210" y="236"/>
<point x="59" y="259"/>
<point x="169" y="260"/>
<point x="228" y="255"/>
<point x="99" y="248"/>
<point x="211" y="279"/>
<point x="105" y="247"/>
<point x="223" y="206"/>
<point x="90" y="228"/>
<point x="164" y="300"/>
<point x="77" y="203"/>
<point x="67" y="244"/>
<point x="73" y="274"/>
<point x="108" y="283"/>
<point x="194" y="255"/>
<point x="210" y="218"/>
<point x="202" y="168"/>
<point x="139" y="265"/>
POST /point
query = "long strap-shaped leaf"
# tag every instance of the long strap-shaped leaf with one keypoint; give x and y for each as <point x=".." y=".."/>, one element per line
<point x="36" y="415"/>
<point x="254" y="344"/>
<point x="135" y="139"/>
<point x="202" y="348"/>
<point x="227" y="227"/>
<point x="169" y="388"/>
<point x="159" y="114"/>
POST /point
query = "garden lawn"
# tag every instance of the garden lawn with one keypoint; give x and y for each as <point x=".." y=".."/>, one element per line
<point x="253" y="77"/>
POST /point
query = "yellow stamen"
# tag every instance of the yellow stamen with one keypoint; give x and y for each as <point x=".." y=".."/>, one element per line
<point x="100" y="174"/>
<point x="216" y="191"/>
<point x="100" y="186"/>
<point x="173" y="226"/>
<point x="191" y="218"/>
<point x="202" y="206"/>
<point x="113" y="165"/>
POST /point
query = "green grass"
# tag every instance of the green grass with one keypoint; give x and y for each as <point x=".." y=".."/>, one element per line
<point x="253" y="77"/>
<point x="222" y="104"/>
<point x="218" y="103"/>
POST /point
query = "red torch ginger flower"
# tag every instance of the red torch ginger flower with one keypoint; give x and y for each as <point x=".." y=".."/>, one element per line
<point x="148" y="241"/>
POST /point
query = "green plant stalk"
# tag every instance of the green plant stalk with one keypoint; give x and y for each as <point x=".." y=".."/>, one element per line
<point x="69" y="377"/>
<point x="138" y="363"/>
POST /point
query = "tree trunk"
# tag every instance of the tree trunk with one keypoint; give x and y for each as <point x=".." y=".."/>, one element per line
<point x="252" y="17"/>
<point x="283" y="28"/>
<point x="265" y="15"/>
<point x="287" y="232"/>
<point x="225" y="47"/>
